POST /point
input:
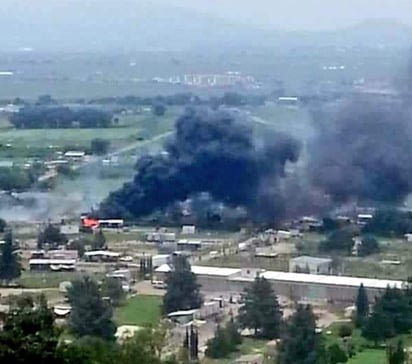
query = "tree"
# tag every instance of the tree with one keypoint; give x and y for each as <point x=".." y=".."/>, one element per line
<point x="45" y="100"/>
<point x="159" y="109"/>
<point x="10" y="267"/>
<point x="99" y="241"/>
<point x="336" y="354"/>
<point x="183" y="292"/>
<point x="392" y="315"/>
<point x="369" y="246"/>
<point x="29" y="335"/>
<point x="3" y="225"/>
<point x="362" y="306"/>
<point x="80" y="245"/>
<point x="377" y="327"/>
<point x="90" y="314"/>
<point x="389" y="222"/>
<point x="261" y="311"/>
<point x="51" y="235"/>
<point x="340" y="240"/>
<point x="99" y="146"/>
<point x="299" y="343"/>
<point x="224" y="342"/>
<point x="112" y="288"/>
<point x="219" y="346"/>
<point x="345" y="330"/>
<point x="232" y="330"/>
<point x="396" y="354"/>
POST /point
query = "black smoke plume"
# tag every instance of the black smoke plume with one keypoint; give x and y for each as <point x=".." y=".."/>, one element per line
<point x="363" y="153"/>
<point x="214" y="153"/>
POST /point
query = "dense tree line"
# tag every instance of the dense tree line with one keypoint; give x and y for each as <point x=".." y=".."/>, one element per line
<point x="10" y="266"/>
<point x="39" y="117"/>
<point x="390" y="223"/>
<point x="233" y="99"/>
<point x="342" y="241"/>
<point x="29" y="335"/>
<point x="390" y="316"/>
<point x="17" y="179"/>
<point x="51" y="236"/>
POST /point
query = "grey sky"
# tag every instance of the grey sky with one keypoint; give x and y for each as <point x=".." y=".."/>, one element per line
<point x="301" y="14"/>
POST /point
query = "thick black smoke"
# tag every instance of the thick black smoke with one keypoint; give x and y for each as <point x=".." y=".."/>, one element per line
<point x="364" y="153"/>
<point x="214" y="153"/>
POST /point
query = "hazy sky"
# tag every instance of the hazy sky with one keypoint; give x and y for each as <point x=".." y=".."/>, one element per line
<point x="301" y="14"/>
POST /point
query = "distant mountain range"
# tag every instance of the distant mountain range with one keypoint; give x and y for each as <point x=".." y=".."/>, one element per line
<point x="65" y="25"/>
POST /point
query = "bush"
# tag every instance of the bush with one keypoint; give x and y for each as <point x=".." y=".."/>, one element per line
<point x="99" y="146"/>
<point x="224" y="342"/>
<point x="336" y="354"/>
<point x="345" y="330"/>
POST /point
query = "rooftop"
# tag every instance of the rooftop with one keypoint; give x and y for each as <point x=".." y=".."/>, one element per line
<point x="203" y="271"/>
<point x="305" y="259"/>
<point x="102" y="253"/>
<point x="344" y="281"/>
<point x="52" y="261"/>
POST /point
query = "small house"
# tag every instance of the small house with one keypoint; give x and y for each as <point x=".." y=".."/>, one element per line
<point x="75" y="155"/>
<point x="102" y="256"/>
<point x="310" y="265"/>
<point x="188" y="229"/>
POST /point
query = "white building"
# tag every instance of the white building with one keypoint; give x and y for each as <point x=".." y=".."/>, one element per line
<point x="73" y="154"/>
<point x="311" y="265"/>
<point x="230" y="282"/>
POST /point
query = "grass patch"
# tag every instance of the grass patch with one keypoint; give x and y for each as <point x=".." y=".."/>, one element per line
<point x="369" y="356"/>
<point x="140" y="311"/>
<point x="248" y="346"/>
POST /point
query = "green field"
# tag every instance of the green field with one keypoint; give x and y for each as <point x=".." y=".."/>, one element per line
<point x="140" y="311"/>
<point x="18" y="144"/>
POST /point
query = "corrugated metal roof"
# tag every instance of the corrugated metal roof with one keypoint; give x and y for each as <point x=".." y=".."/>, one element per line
<point x="52" y="261"/>
<point x="330" y="280"/>
<point x="203" y="271"/>
<point x="305" y="259"/>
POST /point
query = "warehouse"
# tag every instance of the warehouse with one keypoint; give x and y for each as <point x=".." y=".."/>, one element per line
<point x="296" y="286"/>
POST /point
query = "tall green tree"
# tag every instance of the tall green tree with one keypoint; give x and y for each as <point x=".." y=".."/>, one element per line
<point x="99" y="146"/>
<point x="10" y="267"/>
<point x="261" y="311"/>
<point x="224" y="342"/>
<point x="99" y="241"/>
<point x="183" y="291"/>
<point x="112" y="288"/>
<point x="362" y="306"/>
<point x="90" y="314"/>
<point x="391" y="316"/>
<point x="300" y="344"/>
<point x="377" y="327"/>
<point x="3" y="225"/>
<point x="51" y="236"/>
<point x="159" y="109"/>
<point x="220" y="345"/>
<point x="396" y="354"/>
